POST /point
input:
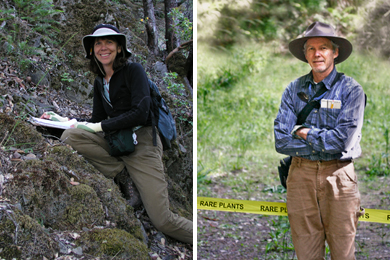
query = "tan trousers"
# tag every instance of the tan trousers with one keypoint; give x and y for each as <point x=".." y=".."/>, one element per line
<point x="323" y="203"/>
<point x="146" y="170"/>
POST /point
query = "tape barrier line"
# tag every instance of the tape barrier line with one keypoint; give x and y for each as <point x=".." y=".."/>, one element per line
<point x="275" y="208"/>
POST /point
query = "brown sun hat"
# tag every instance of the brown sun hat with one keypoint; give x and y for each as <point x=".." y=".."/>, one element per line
<point x="318" y="29"/>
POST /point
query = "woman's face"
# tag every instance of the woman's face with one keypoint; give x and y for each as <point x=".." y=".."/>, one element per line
<point x="105" y="50"/>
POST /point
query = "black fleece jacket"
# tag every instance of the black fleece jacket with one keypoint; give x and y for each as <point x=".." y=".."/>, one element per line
<point x="130" y="99"/>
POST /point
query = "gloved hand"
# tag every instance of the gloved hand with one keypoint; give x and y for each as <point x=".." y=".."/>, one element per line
<point x="90" y="127"/>
<point x="54" y="117"/>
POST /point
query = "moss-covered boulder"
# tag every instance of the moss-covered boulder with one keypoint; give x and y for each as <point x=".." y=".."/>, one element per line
<point x="22" y="237"/>
<point x="113" y="242"/>
<point x="16" y="133"/>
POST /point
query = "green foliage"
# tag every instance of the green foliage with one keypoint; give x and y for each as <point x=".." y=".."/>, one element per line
<point x="238" y="98"/>
<point x="173" y="87"/>
<point x="182" y="26"/>
<point x="379" y="164"/>
<point x="38" y="12"/>
<point x="280" y="240"/>
<point x="275" y="189"/>
<point x="202" y="175"/>
<point x="271" y="20"/>
<point x="181" y="102"/>
<point x="36" y="16"/>
<point x="243" y="63"/>
<point x="65" y="77"/>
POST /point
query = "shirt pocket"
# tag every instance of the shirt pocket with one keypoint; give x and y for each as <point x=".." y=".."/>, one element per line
<point x="328" y="117"/>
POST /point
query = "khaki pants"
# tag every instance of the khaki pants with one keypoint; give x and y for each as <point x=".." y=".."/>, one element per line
<point x="146" y="170"/>
<point x="323" y="203"/>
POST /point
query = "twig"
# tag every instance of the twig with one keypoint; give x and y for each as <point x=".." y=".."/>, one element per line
<point x="16" y="226"/>
<point x="182" y="46"/>
<point x="116" y="254"/>
<point x="5" y="136"/>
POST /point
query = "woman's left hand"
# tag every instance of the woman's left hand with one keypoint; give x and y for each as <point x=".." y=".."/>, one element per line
<point x="54" y="117"/>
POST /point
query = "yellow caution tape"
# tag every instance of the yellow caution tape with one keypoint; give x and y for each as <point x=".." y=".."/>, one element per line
<point x="276" y="208"/>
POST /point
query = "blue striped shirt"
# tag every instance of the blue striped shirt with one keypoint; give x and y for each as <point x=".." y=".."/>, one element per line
<point x="335" y="132"/>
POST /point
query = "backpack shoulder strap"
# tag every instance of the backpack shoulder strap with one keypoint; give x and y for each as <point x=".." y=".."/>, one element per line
<point x="315" y="103"/>
<point x="152" y="108"/>
<point x="154" y="121"/>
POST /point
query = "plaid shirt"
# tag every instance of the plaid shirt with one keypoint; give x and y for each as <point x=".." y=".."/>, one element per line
<point x="335" y="132"/>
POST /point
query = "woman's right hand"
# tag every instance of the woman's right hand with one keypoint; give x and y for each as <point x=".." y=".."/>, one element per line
<point x="54" y="117"/>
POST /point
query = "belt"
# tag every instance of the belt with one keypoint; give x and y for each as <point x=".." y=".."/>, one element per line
<point x="323" y="162"/>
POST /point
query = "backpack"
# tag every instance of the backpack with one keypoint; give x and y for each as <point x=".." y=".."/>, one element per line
<point x="162" y="118"/>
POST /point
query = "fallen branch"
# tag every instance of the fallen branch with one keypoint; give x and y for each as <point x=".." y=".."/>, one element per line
<point x="182" y="46"/>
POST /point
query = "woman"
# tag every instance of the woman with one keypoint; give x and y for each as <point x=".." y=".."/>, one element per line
<point x="122" y="101"/>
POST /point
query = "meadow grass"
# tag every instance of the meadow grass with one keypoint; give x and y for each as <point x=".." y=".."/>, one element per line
<point x="239" y="93"/>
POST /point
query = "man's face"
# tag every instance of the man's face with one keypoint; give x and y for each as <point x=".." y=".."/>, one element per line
<point x="320" y="55"/>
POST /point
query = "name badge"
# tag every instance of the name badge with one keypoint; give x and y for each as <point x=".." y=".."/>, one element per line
<point x="332" y="104"/>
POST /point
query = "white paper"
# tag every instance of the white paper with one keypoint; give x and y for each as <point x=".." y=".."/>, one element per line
<point x="332" y="104"/>
<point x="53" y="124"/>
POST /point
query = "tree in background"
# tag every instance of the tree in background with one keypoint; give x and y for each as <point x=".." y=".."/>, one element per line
<point x="171" y="40"/>
<point x="150" y="25"/>
<point x="180" y="35"/>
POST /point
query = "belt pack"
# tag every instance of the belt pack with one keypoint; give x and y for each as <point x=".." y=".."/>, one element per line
<point x="122" y="142"/>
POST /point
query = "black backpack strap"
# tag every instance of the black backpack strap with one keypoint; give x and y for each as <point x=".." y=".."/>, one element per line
<point x="152" y="109"/>
<point x="315" y="103"/>
<point x="154" y="125"/>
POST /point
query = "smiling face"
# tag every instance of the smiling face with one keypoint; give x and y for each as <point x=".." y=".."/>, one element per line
<point x="105" y="50"/>
<point x="320" y="55"/>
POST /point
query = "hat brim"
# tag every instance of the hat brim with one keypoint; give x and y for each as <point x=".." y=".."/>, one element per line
<point x="89" y="40"/>
<point x="345" y="48"/>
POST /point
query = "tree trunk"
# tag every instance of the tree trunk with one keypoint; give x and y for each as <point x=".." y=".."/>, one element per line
<point x="171" y="42"/>
<point x="150" y="25"/>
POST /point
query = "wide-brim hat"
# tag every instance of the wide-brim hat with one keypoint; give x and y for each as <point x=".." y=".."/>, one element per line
<point x="102" y="30"/>
<point x="318" y="29"/>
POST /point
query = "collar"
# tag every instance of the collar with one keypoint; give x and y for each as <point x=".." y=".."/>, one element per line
<point x="115" y="72"/>
<point x="327" y="81"/>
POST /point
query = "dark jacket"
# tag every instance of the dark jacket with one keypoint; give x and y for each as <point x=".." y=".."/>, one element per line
<point x="130" y="99"/>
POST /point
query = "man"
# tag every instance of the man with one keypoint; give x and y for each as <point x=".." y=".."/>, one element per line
<point x="323" y="200"/>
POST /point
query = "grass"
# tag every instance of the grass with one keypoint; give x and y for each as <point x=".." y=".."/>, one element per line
<point x="239" y="93"/>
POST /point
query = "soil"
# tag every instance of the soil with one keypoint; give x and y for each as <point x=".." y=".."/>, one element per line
<point x="230" y="235"/>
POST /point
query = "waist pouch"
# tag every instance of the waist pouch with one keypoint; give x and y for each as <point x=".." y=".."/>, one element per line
<point x="283" y="169"/>
<point x="122" y="142"/>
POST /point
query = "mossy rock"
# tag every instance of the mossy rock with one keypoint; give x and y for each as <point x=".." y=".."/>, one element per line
<point x="48" y="195"/>
<point x="69" y="158"/>
<point x="17" y="233"/>
<point x="113" y="242"/>
<point x="116" y="208"/>
<point x="19" y="134"/>
<point x="84" y="207"/>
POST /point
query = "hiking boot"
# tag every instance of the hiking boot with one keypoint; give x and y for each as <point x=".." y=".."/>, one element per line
<point x="128" y="188"/>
